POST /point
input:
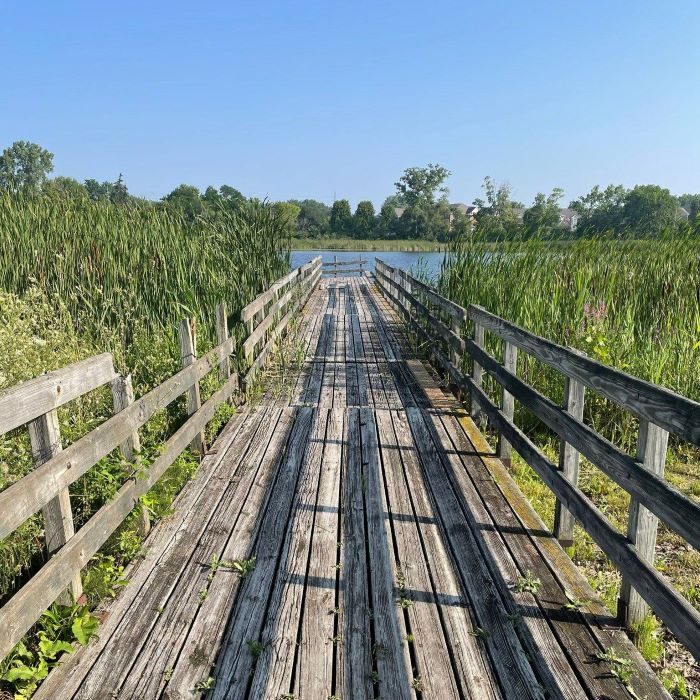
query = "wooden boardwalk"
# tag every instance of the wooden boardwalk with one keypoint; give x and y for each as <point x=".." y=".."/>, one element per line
<point x="351" y="535"/>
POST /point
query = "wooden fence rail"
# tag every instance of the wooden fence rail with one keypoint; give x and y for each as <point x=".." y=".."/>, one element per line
<point x="337" y="267"/>
<point x="660" y="411"/>
<point x="34" y="403"/>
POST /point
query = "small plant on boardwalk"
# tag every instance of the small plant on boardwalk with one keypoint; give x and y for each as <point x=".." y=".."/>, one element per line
<point x="241" y="566"/>
<point x="168" y="673"/>
<point x="528" y="583"/>
<point x="255" y="648"/>
<point x="480" y="633"/>
<point x="417" y="684"/>
<point x="202" y="686"/>
<point x="620" y="665"/>
<point x="574" y="602"/>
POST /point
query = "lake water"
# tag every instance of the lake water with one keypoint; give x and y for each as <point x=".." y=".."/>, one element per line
<point x="427" y="263"/>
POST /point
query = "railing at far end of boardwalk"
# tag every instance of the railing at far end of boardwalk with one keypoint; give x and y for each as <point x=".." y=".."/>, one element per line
<point x="440" y="325"/>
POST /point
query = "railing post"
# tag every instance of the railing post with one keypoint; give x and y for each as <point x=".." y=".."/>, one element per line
<point x="45" y="440"/>
<point x="188" y="355"/>
<point x="642" y="524"/>
<point x="335" y="266"/>
<point x="477" y="372"/>
<point x="222" y="337"/>
<point x="510" y="362"/>
<point x="122" y="397"/>
<point x="564" y="521"/>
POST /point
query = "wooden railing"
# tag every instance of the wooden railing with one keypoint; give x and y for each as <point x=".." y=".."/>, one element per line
<point x="440" y="324"/>
<point x="267" y="316"/>
<point x="337" y="267"/>
<point x="34" y="403"/>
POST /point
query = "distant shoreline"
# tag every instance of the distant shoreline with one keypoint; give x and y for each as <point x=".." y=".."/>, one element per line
<point x="366" y="245"/>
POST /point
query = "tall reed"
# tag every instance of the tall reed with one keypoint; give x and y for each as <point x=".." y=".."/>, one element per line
<point x="138" y="266"/>
<point x="634" y="305"/>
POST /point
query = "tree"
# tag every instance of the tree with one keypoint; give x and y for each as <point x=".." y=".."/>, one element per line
<point x="99" y="191"/>
<point x="314" y="217"/>
<point x="119" y="194"/>
<point x="387" y="225"/>
<point x="65" y="187"/>
<point x="341" y="218"/>
<point x="231" y="196"/>
<point x="364" y="221"/>
<point x="419" y="186"/>
<point x="650" y="210"/>
<point x="542" y="218"/>
<point x="287" y="213"/>
<point x="601" y="210"/>
<point x="496" y="218"/>
<point x="187" y="199"/>
<point x="24" y="167"/>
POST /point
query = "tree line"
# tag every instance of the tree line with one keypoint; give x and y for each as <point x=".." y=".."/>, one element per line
<point x="418" y="209"/>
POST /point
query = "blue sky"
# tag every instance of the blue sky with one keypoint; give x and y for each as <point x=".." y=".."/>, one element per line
<point x="322" y="99"/>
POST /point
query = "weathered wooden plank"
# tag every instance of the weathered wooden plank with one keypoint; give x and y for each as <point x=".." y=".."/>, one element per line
<point x="45" y="441"/>
<point x="393" y="680"/>
<point x="660" y="406"/>
<point x="122" y="397"/>
<point x="412" y="581"/>
<point x="24" y="402"/>
<point x="222" y="336"/>
<point x="510" y="363"/>
<point x="235" y="660"/>
<point x="505" y="649"/>
<point x="355" y="653"/>
<point x="25" y="607"/>
<point x="471" y="664"/>
<point x="320" y="630"/>
<point x="273" y="674"/>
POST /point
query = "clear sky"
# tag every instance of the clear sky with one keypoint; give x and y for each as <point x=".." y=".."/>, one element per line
<point x="323" y="98"/>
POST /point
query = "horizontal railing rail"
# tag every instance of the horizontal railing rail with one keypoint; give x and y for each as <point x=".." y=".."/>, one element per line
<point x="660" y="412"/>
<point x="34" y="403"/>
<point x="337" y="267"/>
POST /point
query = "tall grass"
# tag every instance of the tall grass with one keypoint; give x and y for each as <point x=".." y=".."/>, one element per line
<point x="634" y="305"/>
<point x="137" y="266"/>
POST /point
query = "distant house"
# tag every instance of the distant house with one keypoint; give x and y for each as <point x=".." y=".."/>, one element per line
<point x="568" y="219"/>
<point x="682" y="214"/>
<point x="399" y="211"/>
<point x="469" y="210"/>
<point x="519" y="213"/>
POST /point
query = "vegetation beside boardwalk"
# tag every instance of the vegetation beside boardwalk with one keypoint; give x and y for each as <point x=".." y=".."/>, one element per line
<point x="634" y="305"/>
<point x="78" y="278"/>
